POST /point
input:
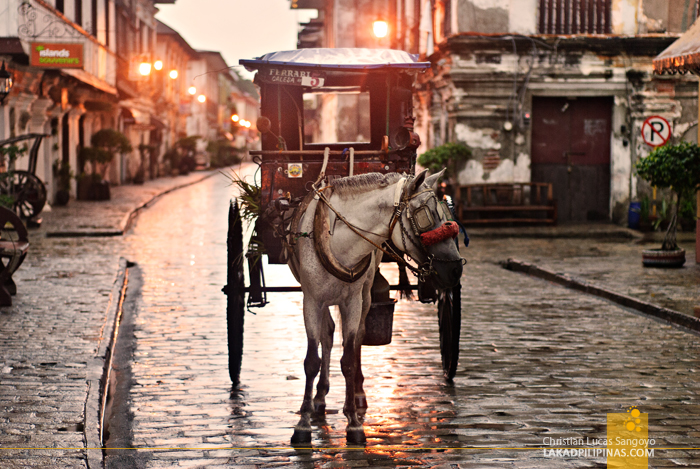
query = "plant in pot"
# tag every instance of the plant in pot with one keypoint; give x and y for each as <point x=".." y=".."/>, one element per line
<point x="106" y="143"/>
<point x="187" y="147"/>
<point x="63" y="174"/>
<point x="676" y="167"/>
<point x="450" y="156"/>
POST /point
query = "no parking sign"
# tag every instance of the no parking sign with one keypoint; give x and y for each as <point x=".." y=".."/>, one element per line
<point x="656" y="131"/>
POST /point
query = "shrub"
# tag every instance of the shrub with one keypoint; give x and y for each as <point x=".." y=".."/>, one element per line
<point x="676" y="167"/>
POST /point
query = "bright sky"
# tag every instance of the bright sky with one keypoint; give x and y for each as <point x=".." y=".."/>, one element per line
<point x="239" y="29"/>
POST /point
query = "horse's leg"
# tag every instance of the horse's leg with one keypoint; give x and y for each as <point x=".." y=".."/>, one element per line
<point x="351" y="314"/>
<point x="360" y="397"/>
<point x="313" y="316"/>
<point x="326" y="347"/>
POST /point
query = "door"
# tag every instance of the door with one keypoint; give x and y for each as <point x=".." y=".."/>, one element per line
<point x="571" y="150"/>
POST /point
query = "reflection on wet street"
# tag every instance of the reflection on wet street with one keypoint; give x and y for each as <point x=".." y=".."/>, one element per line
<point x="536" y="361"/>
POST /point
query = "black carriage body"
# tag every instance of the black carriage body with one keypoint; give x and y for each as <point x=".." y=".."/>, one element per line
<point x="288" y="169"/>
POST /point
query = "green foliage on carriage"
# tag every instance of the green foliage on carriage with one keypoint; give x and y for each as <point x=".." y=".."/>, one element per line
<point x="449" y="156"/>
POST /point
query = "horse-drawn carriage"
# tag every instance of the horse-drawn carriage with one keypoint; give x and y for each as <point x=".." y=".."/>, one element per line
<point x="338" y="195"/>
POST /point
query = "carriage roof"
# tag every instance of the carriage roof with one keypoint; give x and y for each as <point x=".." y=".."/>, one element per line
<point x="349" y="59"/>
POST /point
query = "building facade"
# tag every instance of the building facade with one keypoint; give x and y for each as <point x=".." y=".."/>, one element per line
<point x="80" y="66"/>
<point x="62" y="55"/>
<point x="557" y="92"/>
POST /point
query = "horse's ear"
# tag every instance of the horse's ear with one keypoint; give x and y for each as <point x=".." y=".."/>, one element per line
<point x="418" y="180"/>
<point x="432" y="180"/>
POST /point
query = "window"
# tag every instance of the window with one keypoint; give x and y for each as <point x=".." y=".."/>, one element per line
<point x="59" y="5"/>
<point x="79" y="12"/>
<point x="336" y="117"/>
<point x="106" y="22"/>
<point x="94" y="18"/>
<point x="574" y="17"/>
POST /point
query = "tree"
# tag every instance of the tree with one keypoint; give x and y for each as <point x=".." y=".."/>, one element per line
<point x="676" y="167"/>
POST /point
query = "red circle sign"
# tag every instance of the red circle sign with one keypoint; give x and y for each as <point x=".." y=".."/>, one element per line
<point x="656" y="131"/>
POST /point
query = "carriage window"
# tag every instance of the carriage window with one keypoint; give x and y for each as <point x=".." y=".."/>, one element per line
<point x="336" y="117"/>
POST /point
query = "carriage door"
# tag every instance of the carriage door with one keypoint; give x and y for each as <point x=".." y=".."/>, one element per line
<point x="571" y="150"/>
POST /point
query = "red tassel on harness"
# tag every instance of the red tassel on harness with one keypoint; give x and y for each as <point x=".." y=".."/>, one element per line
<point x="449" y="229"/>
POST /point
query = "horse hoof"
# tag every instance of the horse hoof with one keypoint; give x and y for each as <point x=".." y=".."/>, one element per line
<point x="301" y="437"/>
<point x="360" y="402"/>
<point x="355" y="437"/>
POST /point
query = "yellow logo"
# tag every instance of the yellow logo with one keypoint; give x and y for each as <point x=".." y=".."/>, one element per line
<point x="628" y="440"/>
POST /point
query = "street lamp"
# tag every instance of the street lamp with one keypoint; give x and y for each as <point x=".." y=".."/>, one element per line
<point x="145" y="69"/>
<point x="235" y="118"/>
<point x="5" y="83"/>
<point x="201" y="98"/>
<point x="380" y="28"/>
<point x="192" y="90"/>
<point x="158" y="65"/>
<point x="173" y="74"/>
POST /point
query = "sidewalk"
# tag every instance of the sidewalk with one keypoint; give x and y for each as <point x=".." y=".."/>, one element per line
<point x="112" y="218"/>
<point x="603" y="255"/>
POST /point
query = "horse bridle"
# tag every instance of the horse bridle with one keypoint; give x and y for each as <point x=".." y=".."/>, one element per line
<point x="402" y="204"/>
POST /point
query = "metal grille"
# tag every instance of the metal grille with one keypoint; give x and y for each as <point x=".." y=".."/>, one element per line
<point x="574" y="17"/>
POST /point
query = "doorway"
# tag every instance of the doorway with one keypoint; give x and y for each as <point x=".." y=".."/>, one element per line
<point x="571" y="150"/>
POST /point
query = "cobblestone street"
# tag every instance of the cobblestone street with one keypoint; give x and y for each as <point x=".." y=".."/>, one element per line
<point x="537" y="361"/>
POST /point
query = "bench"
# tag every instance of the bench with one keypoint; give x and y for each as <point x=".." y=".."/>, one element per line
<point x="505" y="203"/>
<point x="14" y="244"/>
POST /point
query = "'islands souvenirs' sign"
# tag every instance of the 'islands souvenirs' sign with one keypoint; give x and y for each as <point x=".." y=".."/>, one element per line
<point x="56" y="55"/>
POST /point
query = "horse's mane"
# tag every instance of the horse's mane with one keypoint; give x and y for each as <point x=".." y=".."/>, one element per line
<point x="352" y="185"/>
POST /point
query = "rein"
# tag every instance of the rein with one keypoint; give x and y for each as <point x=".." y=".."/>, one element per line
<point x="400" y="204"/>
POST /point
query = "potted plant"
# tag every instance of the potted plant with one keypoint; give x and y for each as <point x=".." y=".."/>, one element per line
<point x="63" y="175"/>
<point x="676" y="167"/>
<point x="450" y="156"/>
<point x="105" y="144"/>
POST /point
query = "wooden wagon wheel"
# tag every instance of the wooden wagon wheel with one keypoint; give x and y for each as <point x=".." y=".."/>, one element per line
<point x="449" y="321"/>
<point x="28" y="191"/>
<point x="235" y="290"/>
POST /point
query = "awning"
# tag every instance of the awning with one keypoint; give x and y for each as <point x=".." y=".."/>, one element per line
<point x="682" y="56"/>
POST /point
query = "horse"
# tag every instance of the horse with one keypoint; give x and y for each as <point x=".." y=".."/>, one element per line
<point x="336" y="265"/>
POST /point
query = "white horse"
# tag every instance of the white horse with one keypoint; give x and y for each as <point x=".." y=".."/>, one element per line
<point x="378" y="208"/>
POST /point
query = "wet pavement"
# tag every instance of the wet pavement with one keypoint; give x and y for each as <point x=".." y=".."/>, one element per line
<point x="537" y="360"/>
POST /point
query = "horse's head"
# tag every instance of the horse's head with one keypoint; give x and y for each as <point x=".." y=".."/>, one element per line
<point x="426" y="232"/>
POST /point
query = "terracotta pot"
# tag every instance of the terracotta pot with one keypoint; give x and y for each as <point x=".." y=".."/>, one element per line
<point x="660" y="258"/>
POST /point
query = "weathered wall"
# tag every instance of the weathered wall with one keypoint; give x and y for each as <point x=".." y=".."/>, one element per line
<point x="482" y="91"/>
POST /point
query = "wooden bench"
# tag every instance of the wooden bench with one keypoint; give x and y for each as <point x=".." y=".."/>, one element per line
<point x="14" y="244"/>
<point x="505" y="203"/>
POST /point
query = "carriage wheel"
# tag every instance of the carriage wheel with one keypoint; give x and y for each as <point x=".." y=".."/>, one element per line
<point x="450" y="320"/>
<point x="28" y="191"/>
<point x="235" y="290"/>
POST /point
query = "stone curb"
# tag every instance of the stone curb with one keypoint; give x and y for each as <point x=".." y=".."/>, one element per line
<point x="499" y="233"/>
<point x="127" y="219"/>
<point x="98" y="372"/>
<point x="685" y="322"/>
